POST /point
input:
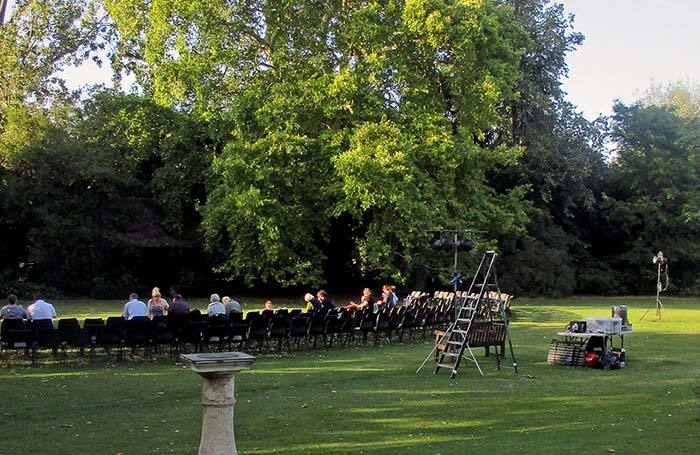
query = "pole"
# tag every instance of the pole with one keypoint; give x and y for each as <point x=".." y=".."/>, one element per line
<point x="659" y="305"/>
<point x="3" y="8"/>
<point x="454" y="275"/>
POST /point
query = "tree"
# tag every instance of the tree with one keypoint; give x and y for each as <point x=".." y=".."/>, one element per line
<point x="38" y="40"/>
<point x="355" y="120"/>
<point x="562" y="162"/>
<point x="652" y="203"/>
<point x="107" y="194"/>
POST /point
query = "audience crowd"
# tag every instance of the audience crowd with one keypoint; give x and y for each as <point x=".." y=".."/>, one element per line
<point x="157" y="305"/>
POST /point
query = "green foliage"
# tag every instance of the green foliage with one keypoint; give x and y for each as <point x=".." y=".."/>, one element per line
<point x="40" y="38"/>
<point x="562" y="162"/>
<point x="123" y="174"/>
<point x="366" y="112"/>
<point x="653" y="199"/>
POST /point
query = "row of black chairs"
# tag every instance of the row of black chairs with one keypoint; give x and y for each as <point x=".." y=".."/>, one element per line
<point x="195" y="331"/>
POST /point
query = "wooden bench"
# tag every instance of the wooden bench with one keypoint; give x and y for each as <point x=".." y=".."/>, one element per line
<point x="482" y="334"/>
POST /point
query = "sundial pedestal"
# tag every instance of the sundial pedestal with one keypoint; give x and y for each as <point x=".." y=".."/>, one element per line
<point x="218" y="397"/>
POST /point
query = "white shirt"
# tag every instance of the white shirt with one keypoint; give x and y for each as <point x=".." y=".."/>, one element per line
<point x="41" y="310"/>
<point x="216" y="308"/>
<point x="134" y="308"/>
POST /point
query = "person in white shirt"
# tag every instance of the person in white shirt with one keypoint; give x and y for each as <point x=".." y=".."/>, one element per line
<point x="41" y="309"/>
<point x="215" y="307"/>
<point x="134" y="307"/>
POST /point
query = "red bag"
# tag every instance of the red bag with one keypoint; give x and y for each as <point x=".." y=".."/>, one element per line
<point x="591" y="360"/>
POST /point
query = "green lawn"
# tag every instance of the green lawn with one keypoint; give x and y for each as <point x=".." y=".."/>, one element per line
<point x="370" y="400"/>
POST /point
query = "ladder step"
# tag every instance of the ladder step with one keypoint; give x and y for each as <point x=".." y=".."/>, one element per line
<point x="464" y="319"/>
<point x="487" y="285"/>
<point x="445" y="366"/>
<point x="463" y="332"/>
<point x="450" y="354"/>
<point x="456" y="343"/>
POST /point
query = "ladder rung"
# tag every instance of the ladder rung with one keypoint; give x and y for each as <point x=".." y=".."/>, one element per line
<point x="457" y="343"/>
<point x="463" y="332"/>
<point x="464" y="319"/>
<point x="445" y="366"/>
<point x="450" y="354"/>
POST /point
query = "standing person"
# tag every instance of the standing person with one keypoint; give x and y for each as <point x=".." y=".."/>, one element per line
<point x="157" y="305"/>
<point x="325" y="300"/>
<point x="12" y="310"/>
<point x="134" y="307"/>
<point x="178" y="306"/>
<point x="231" y="305"/>
<point x="41" y="309"/>
<point x="215" y="308"/>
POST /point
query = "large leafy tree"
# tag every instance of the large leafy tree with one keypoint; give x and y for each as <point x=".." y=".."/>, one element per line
<point x="88" y="195"/>
<point x="562" y="162"/>
<point x="652" y="203"/>
<point x="346" y="120"/>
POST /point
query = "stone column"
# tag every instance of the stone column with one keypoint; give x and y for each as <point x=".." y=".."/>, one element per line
<point x="218" y="397"/>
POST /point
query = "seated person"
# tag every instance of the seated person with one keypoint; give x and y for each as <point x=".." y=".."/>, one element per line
<point x="179" y="306"/>
<point x="267" y="305"/>
<point x="367" y="300"/>
<point x="41" y="309"/>
<point x="325" y="300"/>
<point x="389" y="296"/>
<point x="231" y="305"/>
<point x="157" y="305"/>
<point x="312" y="303"/>
<point x="215" y="308"/>
<point x="134" y="307"/>
<point x="12" y="310"/>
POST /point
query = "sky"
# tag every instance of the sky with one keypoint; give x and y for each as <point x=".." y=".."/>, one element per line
<point x="630" y="45"/>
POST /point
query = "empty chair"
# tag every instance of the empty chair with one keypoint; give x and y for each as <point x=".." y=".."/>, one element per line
<point x="408" y="319"/>
<point x="194" y="334"/>
<point x="69" y="335"/>
<point x="113" y="335"/>
<point x="279" y="330"/>
<point x="382" y="326"/>
<point x="317" y="327"/>
<point x="92" y="326"/>
<point x="258" y="331"/>
<point x="298" y="329"/>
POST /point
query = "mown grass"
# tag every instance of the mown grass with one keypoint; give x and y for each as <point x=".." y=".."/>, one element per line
<point x="370" y="400"/>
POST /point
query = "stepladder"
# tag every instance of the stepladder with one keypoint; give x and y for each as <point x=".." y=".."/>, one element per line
<point x="480" y="321"/>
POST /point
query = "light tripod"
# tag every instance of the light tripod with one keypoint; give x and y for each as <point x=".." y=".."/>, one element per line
<point x="661" y="267"/>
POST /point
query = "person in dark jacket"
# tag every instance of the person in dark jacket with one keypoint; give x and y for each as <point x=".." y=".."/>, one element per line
<point x="325" y="300"/>
<point x="179" y="306"/>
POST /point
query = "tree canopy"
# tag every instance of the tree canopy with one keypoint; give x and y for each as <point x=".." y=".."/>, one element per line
<point x="299" y="143"/>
